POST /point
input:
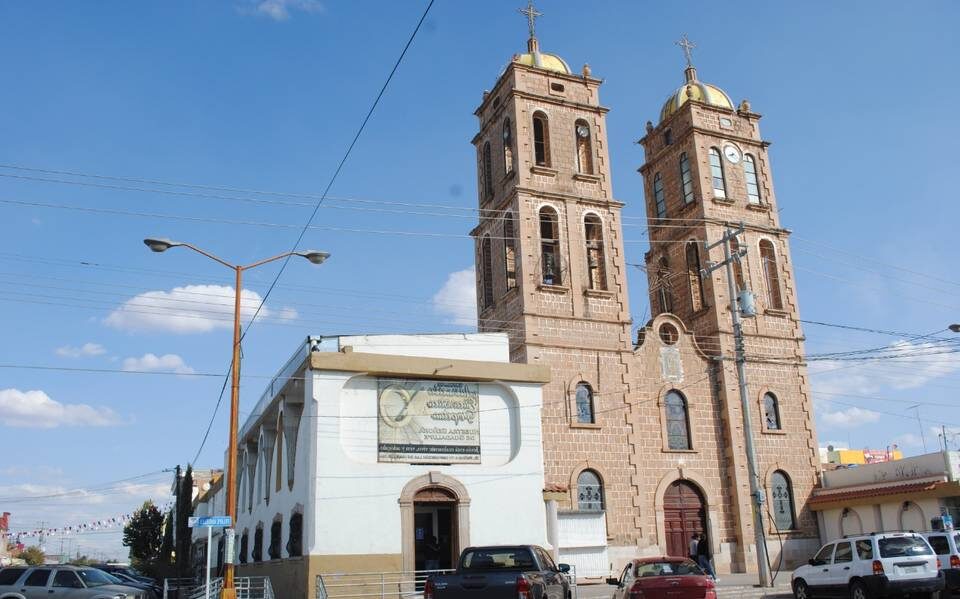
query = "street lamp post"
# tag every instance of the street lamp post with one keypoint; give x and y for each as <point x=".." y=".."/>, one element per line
<point x="162" y="245"/>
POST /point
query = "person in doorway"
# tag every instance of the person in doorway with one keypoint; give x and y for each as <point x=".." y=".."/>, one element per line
<point x="693" y="546"/>
<point x="432" y="561"/>
<point x="704" y="556"/>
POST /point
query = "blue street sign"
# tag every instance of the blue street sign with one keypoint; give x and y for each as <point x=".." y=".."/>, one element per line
<point x="209" y="522"/>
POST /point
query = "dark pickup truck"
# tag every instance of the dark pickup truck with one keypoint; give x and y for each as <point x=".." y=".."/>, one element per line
<point x="502" y="572"/>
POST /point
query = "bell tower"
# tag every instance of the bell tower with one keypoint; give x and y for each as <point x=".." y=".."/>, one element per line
<point x="550" y="261"/>
<point x="707" y="168"/>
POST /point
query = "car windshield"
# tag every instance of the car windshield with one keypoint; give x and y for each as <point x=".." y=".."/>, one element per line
<point x="517" y="558"/>
<point x="94" y="578"/>
<point x="678" y="568"/>
<point x="903" y="547"/>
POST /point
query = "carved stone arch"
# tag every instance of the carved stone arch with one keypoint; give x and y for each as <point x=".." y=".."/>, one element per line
<point x="778" y="395"/>
<point x="710" y="496"/>
<point x="849" y="522"/>
<point x="432" y="480"/>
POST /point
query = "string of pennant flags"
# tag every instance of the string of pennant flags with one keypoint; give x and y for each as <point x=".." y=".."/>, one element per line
<point x="102" y="524"/>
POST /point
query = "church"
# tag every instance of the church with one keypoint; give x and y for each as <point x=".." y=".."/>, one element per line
<point x="558" y="423"/>
<point x="643" y="434"/>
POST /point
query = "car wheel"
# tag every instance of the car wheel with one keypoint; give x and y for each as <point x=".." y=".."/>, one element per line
<point x="801" y="590"/>
<point x="858" y="590"/>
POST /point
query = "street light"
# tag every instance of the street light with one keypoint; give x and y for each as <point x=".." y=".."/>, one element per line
<point x="161" y="244"/>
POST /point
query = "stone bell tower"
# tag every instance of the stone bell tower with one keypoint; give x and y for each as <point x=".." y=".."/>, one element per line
<point x="550" y="261"/>
<point x="706" y="169"/>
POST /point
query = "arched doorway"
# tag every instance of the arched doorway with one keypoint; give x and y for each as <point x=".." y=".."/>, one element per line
<point x="435" y="529"/>
<point x="684" y="513"/>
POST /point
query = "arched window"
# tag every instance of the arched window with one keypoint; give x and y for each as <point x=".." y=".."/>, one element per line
<point x="782" y="495"/>
<point x="693" y="276"/>
<point x="771" y="274"/>
<point x="276" y="539"/>
<point x="487" y="173"/>
<point x="589" y="492"/>
<point x="509" y="250"/>
<point x="584" y="147"/>
<point x="771" y="412"/>
<point x="753" y="182"/>
<point x="686" y="179"/>
<point x="295" y="540"/>
<point x="596" y="264"/>
<point x="486" y="276"/>
<point x="737" y="263"/>
<point x="658" y="197"/>
<point x="664" y="292"/>
<point x="541" y="139"/>
<point x="507" y="147"/>
<point x="550" y="246"/>
<point x="716" y="173"/>
<point x="244" y="546"/>
<point x="678" y="421"/>
<point x="584" y="403"/>
<point x="257" y="553"/>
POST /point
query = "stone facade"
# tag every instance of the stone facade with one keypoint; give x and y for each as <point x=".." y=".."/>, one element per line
<point x="564" y="304"/>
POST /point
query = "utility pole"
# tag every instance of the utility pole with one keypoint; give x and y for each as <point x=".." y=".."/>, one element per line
<point x="756" y="490"/>
<point x="923" y="436"/>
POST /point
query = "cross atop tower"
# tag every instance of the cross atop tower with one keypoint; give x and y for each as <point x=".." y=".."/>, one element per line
<point x="688" y="47"/>
<point x="531" y="13"/>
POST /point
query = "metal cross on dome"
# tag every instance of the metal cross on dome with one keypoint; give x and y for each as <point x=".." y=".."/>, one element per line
<point x="531" y="14"/>
<point x="688" y="47"/>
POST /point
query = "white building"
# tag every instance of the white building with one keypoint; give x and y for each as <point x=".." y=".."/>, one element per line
<point x="363" y="449"/>
<point x="907" y="494"/>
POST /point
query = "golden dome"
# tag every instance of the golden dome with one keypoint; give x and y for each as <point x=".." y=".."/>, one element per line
<point x="542" y="60"/>
<point x="699" y="92"/>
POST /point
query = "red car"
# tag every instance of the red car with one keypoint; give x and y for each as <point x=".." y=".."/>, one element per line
<point x="663" y="578"/>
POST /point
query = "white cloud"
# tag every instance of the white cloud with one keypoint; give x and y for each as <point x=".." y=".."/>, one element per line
<point x="35" y="409"/>
<point x="848" y="418"/>
<point x="84" y="351"/>
<point x="279" y="10"/>
<point x="457" y="299"/>
<point x="911" y="365"/>
<point x="908" y="440"/>
<point x="155" y="363"/>
<point x="189" y="309"/>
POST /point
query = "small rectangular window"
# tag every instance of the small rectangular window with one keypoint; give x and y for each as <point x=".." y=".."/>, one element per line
<point x="67" y="579"/>
<point x="37" y="578"/>
<point x="556" y="87"/>
<point x="844" y="553"/>
<point x="865" y="549"/>
<point x="940" y="544"/>
<point x="9" y="576"/>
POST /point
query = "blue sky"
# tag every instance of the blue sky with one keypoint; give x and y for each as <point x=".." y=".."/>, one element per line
<point x="859" y="101"/>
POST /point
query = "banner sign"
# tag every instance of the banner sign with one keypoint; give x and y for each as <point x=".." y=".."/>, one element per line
<point x="428" y="422"/>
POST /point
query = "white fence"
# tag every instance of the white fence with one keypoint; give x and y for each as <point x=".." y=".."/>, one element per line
<point x="252" y="587"/>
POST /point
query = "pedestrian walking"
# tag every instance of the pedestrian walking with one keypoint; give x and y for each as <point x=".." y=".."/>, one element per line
<point x="704" y="556"/>
<point x="693" y="546"/>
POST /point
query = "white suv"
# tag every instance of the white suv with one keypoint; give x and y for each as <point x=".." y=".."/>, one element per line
<point x="946" y="544"/>
<point x="887" y="564"/>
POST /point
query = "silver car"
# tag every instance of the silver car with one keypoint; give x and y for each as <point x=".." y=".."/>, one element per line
<point x="61" y="582"/>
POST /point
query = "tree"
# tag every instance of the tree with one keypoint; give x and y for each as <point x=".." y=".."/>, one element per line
<point x="166" y="548"/>
<point x="183" y="534"/>
<point x="144" y="536"/>
<point x="83" y="560"/>
<point x="33" y="555"/>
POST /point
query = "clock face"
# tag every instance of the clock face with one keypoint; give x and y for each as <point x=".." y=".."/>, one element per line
<point x="732" y="153"/>
<point x="396" y="407"/>
<point x="583" y="131"/>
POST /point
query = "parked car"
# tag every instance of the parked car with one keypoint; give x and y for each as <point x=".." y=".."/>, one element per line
<point x="65" y="582"/>
<point x="151" y="591"/>
<point x="663" y="578"/>
<point x="502" y="572"/>
<point x="890" y="564"/>
<point x="126" y="571"/>
<point x="946" y="544"/>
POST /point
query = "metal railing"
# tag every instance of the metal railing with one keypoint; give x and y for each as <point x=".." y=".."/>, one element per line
<point x="370" y="585"/>
<point x="387" y="585"/>
<point x="175" y="588"/>
<point x="248" y="587"/>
